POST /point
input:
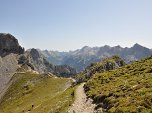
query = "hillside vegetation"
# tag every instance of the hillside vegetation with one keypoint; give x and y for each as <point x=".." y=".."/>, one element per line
<point x="36" y="93"/>
<point x="123" y="90"/>
<point x="105" y="65"/>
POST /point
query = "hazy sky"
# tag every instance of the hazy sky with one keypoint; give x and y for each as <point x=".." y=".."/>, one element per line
<point x="71" y="24"/>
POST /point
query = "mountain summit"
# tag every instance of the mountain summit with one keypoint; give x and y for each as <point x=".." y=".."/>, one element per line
<point x="9" y="44"/>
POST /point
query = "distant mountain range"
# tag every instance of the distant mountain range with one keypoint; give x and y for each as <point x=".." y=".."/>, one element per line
<point x="82" y="58"/>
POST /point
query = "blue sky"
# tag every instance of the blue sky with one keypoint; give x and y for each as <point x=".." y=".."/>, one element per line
<point x="71" y="24"/>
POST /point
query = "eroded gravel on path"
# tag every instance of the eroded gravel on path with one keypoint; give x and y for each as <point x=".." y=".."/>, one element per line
<point x="81" y="103"/>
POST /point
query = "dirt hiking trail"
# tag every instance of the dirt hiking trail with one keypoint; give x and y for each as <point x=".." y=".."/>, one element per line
<point x="81" y="103"/>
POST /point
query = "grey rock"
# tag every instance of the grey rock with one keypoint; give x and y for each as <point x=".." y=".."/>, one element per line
<point x="9" y="44"/>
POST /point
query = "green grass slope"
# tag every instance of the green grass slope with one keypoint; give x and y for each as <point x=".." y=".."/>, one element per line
<point x="124" y="90"/>
<point x="36" y="93"/>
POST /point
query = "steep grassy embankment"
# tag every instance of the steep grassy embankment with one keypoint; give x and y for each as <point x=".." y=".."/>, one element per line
<point x="37" y="94"/>
<point x="123" y="90"/>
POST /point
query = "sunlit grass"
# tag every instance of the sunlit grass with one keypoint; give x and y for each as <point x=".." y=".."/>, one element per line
<point x="127" y="89"/>
<point x="37" y="94"/>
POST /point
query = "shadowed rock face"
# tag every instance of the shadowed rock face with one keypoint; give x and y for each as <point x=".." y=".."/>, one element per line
<point x="9" y="44"/>
<point x="35" y="54"/>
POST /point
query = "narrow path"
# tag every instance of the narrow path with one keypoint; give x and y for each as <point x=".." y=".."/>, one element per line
<point x="81" y="103"/>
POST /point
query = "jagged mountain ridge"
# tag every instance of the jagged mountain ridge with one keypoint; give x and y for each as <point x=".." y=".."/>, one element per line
<point x="82" y="58"/>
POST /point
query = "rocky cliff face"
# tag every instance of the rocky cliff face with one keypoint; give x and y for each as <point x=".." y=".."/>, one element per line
<point x="9" y="44"/>
<point x="40" y="63"/>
